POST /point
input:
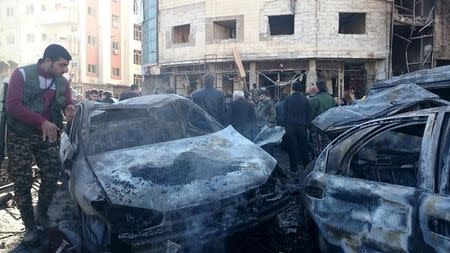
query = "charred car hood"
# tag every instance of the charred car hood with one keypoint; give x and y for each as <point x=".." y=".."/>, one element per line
<point x="373" y="106"/>
<point x="182" y="173"/>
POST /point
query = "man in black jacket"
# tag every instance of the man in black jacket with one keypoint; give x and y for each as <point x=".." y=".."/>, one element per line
<point x="242" y="115"/>
<point x="210" y="99"/>
<point x="297" y="116"/>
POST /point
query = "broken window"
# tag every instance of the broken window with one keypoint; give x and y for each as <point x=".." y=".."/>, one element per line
<point x="352" y="23"/>
<point x="281" y="25"/>
<point x="224" y="29"/>
<point x="392" y="156"/>
<point x="181" y="34"/>
<point x="444" y="157"/>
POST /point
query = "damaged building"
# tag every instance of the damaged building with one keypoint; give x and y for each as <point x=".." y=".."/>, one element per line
<point x="349" y="44"/>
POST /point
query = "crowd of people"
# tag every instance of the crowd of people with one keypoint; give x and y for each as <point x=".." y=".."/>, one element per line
<point x="107" y="96"/>
<point x="249" y="113"/>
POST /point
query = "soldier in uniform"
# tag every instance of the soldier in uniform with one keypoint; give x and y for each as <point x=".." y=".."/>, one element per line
<point x="37" y="96"/>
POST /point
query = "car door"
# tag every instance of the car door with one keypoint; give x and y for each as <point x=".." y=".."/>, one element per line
<point x="362" y="195"/>
<point x="434" y="207"/>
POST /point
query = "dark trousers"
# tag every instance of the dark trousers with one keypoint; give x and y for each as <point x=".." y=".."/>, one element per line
<point x="297" y="145"/>
<point x="21" y="150"/>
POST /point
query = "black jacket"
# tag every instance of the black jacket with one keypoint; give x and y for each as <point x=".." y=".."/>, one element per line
<point x="297" y="110"/>
<point x="242" y="117"/>
<point x="212" y="101"/>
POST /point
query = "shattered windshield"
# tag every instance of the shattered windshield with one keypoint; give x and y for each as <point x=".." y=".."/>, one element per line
<point x="119" y="128"/>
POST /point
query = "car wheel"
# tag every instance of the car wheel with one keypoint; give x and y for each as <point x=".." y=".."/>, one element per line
<point x="95" y="234"/>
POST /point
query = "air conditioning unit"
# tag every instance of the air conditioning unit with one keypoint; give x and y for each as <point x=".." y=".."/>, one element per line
<point x="116" y="51"/>
<point x="115" y="24"/>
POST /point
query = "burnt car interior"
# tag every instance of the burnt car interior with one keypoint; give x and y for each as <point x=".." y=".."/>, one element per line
<point x="387" y="156"/>
<point x="119" y="128"/>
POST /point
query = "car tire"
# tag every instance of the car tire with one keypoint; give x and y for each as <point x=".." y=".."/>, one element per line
<point x="94" y="233"/>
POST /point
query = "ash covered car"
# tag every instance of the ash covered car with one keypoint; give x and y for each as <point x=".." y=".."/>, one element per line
<point x="391" y="101"/>
<point x="158" y="168"/>
<point x="436" y="80"/>
<point x="384" y="186"/>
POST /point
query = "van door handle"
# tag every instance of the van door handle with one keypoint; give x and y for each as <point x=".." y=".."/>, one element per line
<point x="315" y="192"/>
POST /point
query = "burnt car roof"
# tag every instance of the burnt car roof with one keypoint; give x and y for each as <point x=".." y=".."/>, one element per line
<point x="427" y="78"/>
<point x="142" y="101"/>
<point x="375" y="105"/>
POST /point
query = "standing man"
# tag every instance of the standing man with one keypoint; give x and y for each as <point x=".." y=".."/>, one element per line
<point x="37" y="96"/>
<point x="297" y="118"/>
<point x="265" y="110"/>
<point x="322" y="101"/>
<point x="242" y="115"/>
<point x="210" y="99"/>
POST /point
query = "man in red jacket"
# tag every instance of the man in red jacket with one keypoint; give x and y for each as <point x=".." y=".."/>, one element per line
<point x="37" y="95"/>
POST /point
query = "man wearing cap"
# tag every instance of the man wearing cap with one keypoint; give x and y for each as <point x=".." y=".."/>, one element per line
<point x="37" y="96"/>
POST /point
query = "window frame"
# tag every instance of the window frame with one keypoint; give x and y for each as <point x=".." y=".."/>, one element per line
<point x="375" y="128"/>
<point x="340" y="18"/>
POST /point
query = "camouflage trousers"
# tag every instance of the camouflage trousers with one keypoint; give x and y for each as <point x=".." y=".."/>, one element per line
<point x="21" y="151"/>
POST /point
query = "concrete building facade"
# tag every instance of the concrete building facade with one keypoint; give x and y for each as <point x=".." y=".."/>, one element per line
<point x="100" y="35"/>
<point x="340" y="41"/>
<point x="344" y="42"/>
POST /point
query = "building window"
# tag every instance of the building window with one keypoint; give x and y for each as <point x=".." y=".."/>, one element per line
<point x="29" y="9"/>
<point x="115" y="47"/>
<point x="115" y="21"/>
<point x="43" y="7"/>
<point x="181" y="34"/>
<point x="10" y="39"/>
<point x="281" y="25"/>
<point x="91" y="11"/>
<point x="137" y="32"/>
<point x="9" y="12"/>
<point x="137" y="57"/>
<point x="92" y="40"/>
<point x="225" y="29"/>
<point x="352" y="23"/>
<point x="44" y="37"/>
<point x="137" y="79"/>
<point x="116" y="71"/>
<point x="30" y="37"/>
<point x="92" y="68"/>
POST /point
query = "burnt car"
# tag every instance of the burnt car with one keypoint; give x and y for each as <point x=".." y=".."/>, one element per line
<point x="157" y="169"/>
<point x="436" y="80"/>
<point x="384" y="186"/>
<point x="391" y="101"/>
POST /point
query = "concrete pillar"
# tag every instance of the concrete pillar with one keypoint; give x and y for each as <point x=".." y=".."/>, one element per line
<point x="219" y="81"/>
<point x="382" y="69"/>
<point x="311" y="75"/>
<point x="252" y="74"/>
<point x="340" y="81"/>
<point x="173" y="82"/>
